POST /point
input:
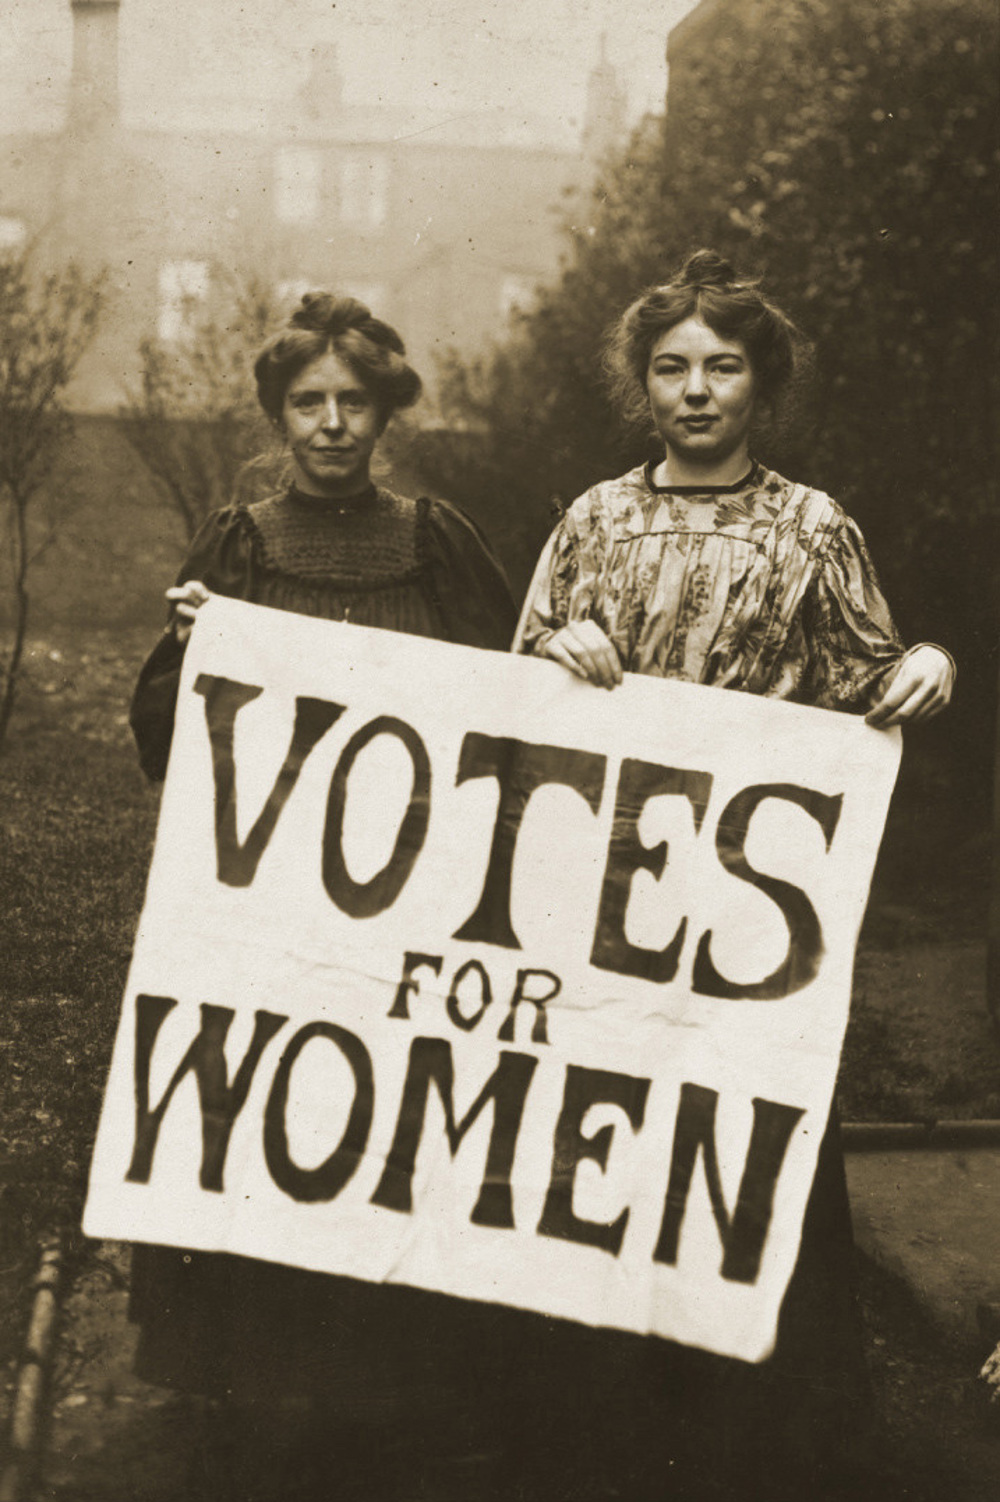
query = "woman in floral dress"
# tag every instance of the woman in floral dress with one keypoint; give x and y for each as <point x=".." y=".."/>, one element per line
<point x="706" y="566"/>
<point x="710" y="568"/>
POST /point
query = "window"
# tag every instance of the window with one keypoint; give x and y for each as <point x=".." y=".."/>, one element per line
<point x="516" y="294"/>
<point x="290" y="293"/>
<point x="12" y="233"/>
<point x="364" y="191"/>
<point x="296" y="185"/>
<point x="372" y="294"/>
<point x="183" y="289"/>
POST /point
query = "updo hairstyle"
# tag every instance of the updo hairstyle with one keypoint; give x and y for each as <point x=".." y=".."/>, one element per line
<point x="324" y="322"/>
<point x="706" y="286"/>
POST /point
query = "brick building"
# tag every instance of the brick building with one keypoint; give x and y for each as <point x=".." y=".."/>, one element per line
<point x="442" y="229"/>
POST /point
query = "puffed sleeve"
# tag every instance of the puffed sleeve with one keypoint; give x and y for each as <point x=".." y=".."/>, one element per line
<point x="566" y="582"/>
<point x="854" y="647"/>
<point x="470" y="589"/>
<point x="219" y="555"/>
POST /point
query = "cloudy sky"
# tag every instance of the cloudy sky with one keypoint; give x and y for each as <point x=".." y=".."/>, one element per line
<point x="453" y="56"/>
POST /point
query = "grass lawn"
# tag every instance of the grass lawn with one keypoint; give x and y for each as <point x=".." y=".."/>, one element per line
<point x="75" y="840"/>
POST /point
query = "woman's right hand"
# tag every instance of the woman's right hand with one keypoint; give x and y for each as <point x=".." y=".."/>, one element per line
<point x="587" y="651"/>
<point x="186" y="600"/>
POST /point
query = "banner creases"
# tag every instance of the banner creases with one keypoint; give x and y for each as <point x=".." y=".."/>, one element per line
<point x="456" y="972"/>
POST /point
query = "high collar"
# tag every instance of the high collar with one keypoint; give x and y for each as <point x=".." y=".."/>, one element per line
<point x="348" y="505"/>
<point x="750" y="478"/>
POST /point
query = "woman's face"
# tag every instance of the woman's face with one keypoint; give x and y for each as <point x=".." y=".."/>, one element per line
<point x="332" y="425"/>
<point x="701" y="393"/>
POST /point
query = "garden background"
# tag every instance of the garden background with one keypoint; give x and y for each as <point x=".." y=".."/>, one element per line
<point x="845" y="151"/>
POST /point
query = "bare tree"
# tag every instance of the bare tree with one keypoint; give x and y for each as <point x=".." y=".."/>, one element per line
<point x="194" y="422"/>
<point x="46" y="322"/>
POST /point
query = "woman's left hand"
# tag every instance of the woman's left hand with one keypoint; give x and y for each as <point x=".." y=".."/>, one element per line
<point x="920" y="689"/>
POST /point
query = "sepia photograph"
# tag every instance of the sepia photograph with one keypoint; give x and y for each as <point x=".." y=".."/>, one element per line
<point x="499" y="783"/>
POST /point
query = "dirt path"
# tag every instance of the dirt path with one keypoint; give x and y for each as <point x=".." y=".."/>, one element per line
<point x="116" y="1439"/>
<point x="112" y="1436"/>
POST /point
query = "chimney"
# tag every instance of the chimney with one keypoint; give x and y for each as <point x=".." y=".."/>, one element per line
<point x="93" y="91"/>
<point x="321" y="96"/>
<point x="604" y="117"/>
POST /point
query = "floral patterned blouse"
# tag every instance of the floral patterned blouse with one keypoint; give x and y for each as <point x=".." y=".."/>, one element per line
<point x="764" y="586"/>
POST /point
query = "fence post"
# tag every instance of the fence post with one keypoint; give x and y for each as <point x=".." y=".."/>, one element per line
<point x="28" y="1413"/>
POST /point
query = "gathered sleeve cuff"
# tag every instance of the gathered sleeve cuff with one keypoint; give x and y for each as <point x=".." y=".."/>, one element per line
<point x="219" y="555"/>
<point x="470" y="589"/>
<point x="854" y="647"/>
<point x="937" y="647"/>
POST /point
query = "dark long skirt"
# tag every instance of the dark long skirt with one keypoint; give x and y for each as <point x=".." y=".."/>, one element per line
<point x="427" y="1397"/>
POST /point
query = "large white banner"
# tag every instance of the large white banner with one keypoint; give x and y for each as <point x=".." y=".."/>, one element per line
<point x="457" y="972"/>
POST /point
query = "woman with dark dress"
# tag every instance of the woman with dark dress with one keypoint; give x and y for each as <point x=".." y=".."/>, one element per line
<point x="707" y="567"/>
<point x="333" y="544"/>
<point x="275" y="1341"/>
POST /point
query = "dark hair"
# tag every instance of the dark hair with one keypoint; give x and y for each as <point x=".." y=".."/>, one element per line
<point x="324" y="322"/>
<point x="706" y="286"/>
